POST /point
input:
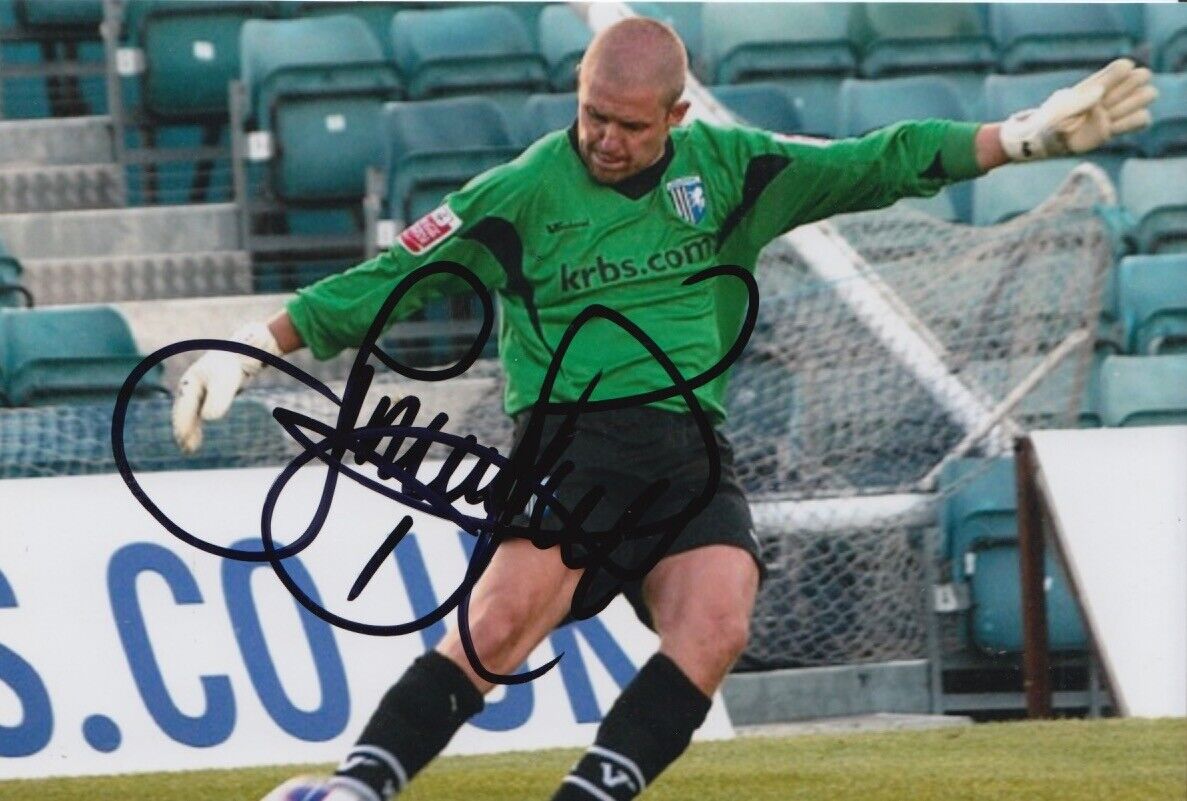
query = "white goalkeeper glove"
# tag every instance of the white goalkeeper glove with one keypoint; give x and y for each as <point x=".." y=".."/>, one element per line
<point x="1108" y="103"/>
<point x="210" y="384"/>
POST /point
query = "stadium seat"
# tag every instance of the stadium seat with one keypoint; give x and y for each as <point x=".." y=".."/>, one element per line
<point x="1152" y="301"/>
<point x="1153" y="191"/>
<point x="376" y="14"/>
<point x="897" y="38"/>
<point x="60" y="13"/>
<point x="978" y="507"/>
<point x="686" y="20"/>
<point x="1005" y="94"/>
<point x="1143" y="390"/>
<point x="12" y="292"/>
<point x="1015" y="189"/>
<point x="466" y="50"/>
<point x="544" y="113"/>
<point x="778" y="40"/>
<point x="318" y="85"/>
<point x="190" y="51"/>
<point x="1166" y="30"/>
<point x="1167" y="134"/>
<point x="1034" y="37"/>
<point x="563" y="39"/>
<point x="995" y="591"/>
<point x="866" y="105"/>
<point x="69" y="354"/>
<point x="435" y="146"/>
<point x="763" y="105"/>
<point x="815" y="98"/>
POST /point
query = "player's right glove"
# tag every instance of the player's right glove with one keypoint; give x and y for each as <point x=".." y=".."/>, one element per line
<point x="1080" y="118"/>
<point x="209" y="385"/>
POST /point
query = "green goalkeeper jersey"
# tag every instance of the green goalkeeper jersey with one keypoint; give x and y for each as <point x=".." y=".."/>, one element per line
<point x="550" y="241"/>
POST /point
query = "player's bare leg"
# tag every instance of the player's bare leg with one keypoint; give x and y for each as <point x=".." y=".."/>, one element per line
<point x="519" y="599"/>
<point x="700" y="603"/>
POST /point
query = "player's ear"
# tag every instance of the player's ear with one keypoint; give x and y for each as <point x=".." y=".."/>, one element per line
<point x="677" y="111"/>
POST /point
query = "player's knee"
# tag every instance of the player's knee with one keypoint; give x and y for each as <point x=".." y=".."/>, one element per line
<point x="731" y="636"/>
<point x="499" y="622"/>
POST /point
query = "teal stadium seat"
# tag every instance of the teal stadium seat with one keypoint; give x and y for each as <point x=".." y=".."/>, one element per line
<point x="778" y="40"/>
<point x="466" y="50"/>
<point x="1152" y="301"/>
<point x="1039" y="36"/>
<point x="687" y="20"/>
<point x="897" y="38"/>
<point x="979" y="506"/>
<point x="436" y="146"/>
<point x="60" y="13"/>
<point x="867" y="105"/>
<point x="1005" y="94"/>
<point x="1167" y="134"/>
<point x="69" y="354"/>
<point x="191" y="53"/>
<point x="995" y="591"/>
<point x="1015" y="189"/>
<point x="563" y="39"/>
<point x="1143" y="390"/>
<point x="763" y="105"/>
<point x="319" y="86"/>
<point x="12" y="291"/>
<point x="1166" y="30"/>
<point x="978" y="515"/>
<point x="544" y="113"/>
<point x="1154" y="191"/>
<point x="377" y="15"/>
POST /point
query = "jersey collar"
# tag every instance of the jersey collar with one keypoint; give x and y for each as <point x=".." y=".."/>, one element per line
<point x="642" y="182"/>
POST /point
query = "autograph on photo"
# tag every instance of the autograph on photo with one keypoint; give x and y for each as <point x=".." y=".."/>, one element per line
<point x="523" y="485"/>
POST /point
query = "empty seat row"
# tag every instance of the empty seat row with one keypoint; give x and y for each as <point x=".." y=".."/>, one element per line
<point x="851" y="106"/>
<point x="73" y="354"/>
<point x="186" y="51"/>
<point x="770" y="40"/>
<point x="1153" y="204"/>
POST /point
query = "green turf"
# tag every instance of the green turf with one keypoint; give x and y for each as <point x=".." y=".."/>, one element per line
<point x="1069" y="760"/>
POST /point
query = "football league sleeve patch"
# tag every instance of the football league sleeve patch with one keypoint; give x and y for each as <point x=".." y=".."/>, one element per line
<point x="430" y="230"/>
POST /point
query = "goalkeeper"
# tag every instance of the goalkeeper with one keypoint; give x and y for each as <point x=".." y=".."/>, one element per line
<point x="618" y="210"/>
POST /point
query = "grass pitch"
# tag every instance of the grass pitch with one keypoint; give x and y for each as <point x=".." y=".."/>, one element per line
<point x="1068" y="760"/>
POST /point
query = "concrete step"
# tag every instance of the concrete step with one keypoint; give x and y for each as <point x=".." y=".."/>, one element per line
<point x="59" y="188"/>
<point x="152" y="276"/>
<point x="121" y="232"/>
<point x="62" y="140"/>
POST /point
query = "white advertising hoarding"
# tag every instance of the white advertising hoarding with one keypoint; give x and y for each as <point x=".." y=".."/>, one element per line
<point x="123" y="649"/>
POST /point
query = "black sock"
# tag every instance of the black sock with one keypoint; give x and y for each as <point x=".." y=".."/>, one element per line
<point x="415" y="720"/>
<point x="649" y="725"/>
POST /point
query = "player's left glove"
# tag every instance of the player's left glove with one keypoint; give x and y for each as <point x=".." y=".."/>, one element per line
<point x="1108" y="103"/>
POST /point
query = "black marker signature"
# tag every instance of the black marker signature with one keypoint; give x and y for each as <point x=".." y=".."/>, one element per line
<point x="530" y="475"/>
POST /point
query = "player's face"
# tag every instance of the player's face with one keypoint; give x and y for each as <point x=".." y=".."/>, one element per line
<point x="622" y="130"/>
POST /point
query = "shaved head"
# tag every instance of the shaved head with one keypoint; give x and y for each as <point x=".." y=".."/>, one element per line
<point x="636" y="53"/>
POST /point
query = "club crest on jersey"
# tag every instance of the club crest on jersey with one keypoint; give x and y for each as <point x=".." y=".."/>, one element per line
<point x="438" y="224"/>
<point x="688" y="198"/>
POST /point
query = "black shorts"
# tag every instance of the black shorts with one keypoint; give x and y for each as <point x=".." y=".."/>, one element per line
<point x="623" y="452"/>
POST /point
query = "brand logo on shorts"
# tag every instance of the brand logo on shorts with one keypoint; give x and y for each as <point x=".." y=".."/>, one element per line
<point x="436" y="226"/>
<point x="688" y="197"/>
